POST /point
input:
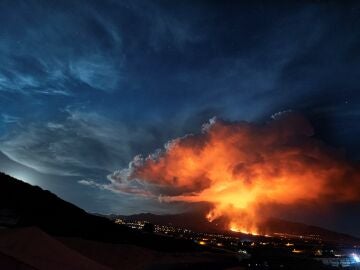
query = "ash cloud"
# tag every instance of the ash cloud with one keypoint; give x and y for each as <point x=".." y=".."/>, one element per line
<point x="242" y="165"/>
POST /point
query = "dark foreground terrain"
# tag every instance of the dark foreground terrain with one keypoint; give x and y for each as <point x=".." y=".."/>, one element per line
<point x="40" y="231"/>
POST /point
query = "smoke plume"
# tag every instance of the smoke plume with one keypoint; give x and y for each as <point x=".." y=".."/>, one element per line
<point x="241" y="168"/>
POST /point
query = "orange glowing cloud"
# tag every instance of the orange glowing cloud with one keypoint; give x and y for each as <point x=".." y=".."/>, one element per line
<point x="239" y="167"/>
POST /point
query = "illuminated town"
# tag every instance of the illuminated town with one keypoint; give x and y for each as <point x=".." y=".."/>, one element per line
<point x="262" y="252"/>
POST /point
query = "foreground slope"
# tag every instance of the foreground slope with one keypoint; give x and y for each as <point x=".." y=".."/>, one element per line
<point x="34" y="249"/>
<point x="23" y="205"/>
<point x="40" y="231"/>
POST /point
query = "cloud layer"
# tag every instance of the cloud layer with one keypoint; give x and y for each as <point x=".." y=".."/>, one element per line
<point x="79" y="142"/>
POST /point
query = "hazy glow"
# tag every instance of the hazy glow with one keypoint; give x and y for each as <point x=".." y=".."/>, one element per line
<point x="22" y="176"/>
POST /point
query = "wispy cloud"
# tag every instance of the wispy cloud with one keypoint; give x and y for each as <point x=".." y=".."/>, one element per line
<point x="81" y="141"/>
<point x="9" y="119"/>
<point x="97" y="72"/>
<point x="53" y="58"/>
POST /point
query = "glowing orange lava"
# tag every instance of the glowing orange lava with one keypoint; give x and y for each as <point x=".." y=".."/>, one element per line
<point x="235" y="228"/>
<point x="240" y="167"/>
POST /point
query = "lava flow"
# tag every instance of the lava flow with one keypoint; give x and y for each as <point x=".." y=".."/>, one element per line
<point x="240" y="167"/>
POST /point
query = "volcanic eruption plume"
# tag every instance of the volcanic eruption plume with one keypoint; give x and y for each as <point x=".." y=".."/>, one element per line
<point x="240" y="167"/>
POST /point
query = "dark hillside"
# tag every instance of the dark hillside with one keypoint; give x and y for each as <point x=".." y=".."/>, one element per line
<point x="23" y="205"/>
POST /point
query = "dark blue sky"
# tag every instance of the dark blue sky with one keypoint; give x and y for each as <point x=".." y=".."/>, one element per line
<point x="87" y="85"/>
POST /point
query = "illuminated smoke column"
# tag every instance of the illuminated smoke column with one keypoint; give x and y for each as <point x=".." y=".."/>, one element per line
<point x="240" y="167"/>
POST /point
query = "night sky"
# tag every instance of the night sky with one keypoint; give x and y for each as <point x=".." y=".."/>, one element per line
<point x="87" y="85"/>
